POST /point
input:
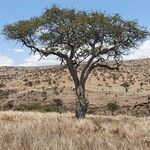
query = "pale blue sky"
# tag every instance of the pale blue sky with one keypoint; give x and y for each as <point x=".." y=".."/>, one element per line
<point x="14" y="10"/>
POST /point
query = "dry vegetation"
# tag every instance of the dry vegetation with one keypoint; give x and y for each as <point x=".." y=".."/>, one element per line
<point x="52" y="131"/>
<point x="45" y="89"/>
<point x="29" y="88"/>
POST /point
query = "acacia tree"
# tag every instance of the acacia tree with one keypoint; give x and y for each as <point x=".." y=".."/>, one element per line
<point x="126" y="85"/>
<point x="92" y="39"/>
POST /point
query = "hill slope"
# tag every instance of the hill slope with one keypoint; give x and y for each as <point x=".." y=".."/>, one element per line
<point x="40" y="85"/>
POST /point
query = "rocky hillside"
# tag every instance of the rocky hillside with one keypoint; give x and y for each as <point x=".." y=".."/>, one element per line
<point x="30" y="88"/>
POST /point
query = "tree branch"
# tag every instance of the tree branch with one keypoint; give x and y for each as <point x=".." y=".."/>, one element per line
<point x="97" y="64"/>
<point x="44" y="52"/>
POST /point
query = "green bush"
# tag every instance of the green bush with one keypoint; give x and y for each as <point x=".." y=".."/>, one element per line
<point x="47" y="108"/>
<point x="112" y="106"/>
<point x="35" y="107"/>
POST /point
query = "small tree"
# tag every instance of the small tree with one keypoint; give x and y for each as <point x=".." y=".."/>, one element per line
<point x="141" y="84"/>
<point x="113" y="106"/>
<point x="115" y="77"/>
<point x="126" y="85"/>
<point x="76" y="37"/>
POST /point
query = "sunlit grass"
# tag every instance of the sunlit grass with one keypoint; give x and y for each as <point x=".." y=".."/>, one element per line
<point x="52" y="131"/>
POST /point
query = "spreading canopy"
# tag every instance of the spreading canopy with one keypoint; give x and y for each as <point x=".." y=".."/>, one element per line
<point x="78" y="36"/>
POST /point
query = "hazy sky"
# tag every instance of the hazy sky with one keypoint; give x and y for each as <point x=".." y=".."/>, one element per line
<point x="11" y="11"/>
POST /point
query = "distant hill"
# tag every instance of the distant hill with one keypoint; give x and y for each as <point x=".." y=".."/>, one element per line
<point x="39" y="86"/>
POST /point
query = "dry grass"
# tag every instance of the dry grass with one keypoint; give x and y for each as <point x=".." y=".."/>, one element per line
<point x="52" y="131"/>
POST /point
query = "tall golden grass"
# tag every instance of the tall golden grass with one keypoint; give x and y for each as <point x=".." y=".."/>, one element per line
<point x="52" y="131"/>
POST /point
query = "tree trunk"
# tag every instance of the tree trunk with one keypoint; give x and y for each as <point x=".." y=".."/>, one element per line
<point x="81" y="103"/>
<point x="126" y="88"/>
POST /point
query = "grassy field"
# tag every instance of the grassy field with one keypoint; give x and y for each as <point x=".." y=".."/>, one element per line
<point x="52" y="131"/>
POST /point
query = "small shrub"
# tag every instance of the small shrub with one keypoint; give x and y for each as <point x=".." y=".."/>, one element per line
<point x="58" y="104"/>
<point x="25" y="80"/>
<point x="112" y="106"/>
<point x="44" y="95"/>
<point x="29" y="83"/>
<point x="148" y="97"/>
<point x="28" y="107"/>
<point x="37" y="82"/>
<point x="35" y="107"/>
<point x="141" y="84"/>
<point x="47" y="108"/>
<point x="49" y="81"/>
<point x="4" y="94"/>
<point x="2" y="85"/>
<point x="7" y="105"/>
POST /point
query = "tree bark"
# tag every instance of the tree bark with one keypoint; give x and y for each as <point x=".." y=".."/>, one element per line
<point x="81" y="103"/>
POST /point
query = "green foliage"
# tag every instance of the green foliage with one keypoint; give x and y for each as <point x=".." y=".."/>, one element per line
<point x="70" y="28"/>
<point x="35" y="107"/>
<point x="112" y="106"/>
<point x="47" y="108"/>
<point x="55" y="106"/>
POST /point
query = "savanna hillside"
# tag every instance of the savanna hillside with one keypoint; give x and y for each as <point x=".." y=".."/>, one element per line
<point x="32" y="88"/>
